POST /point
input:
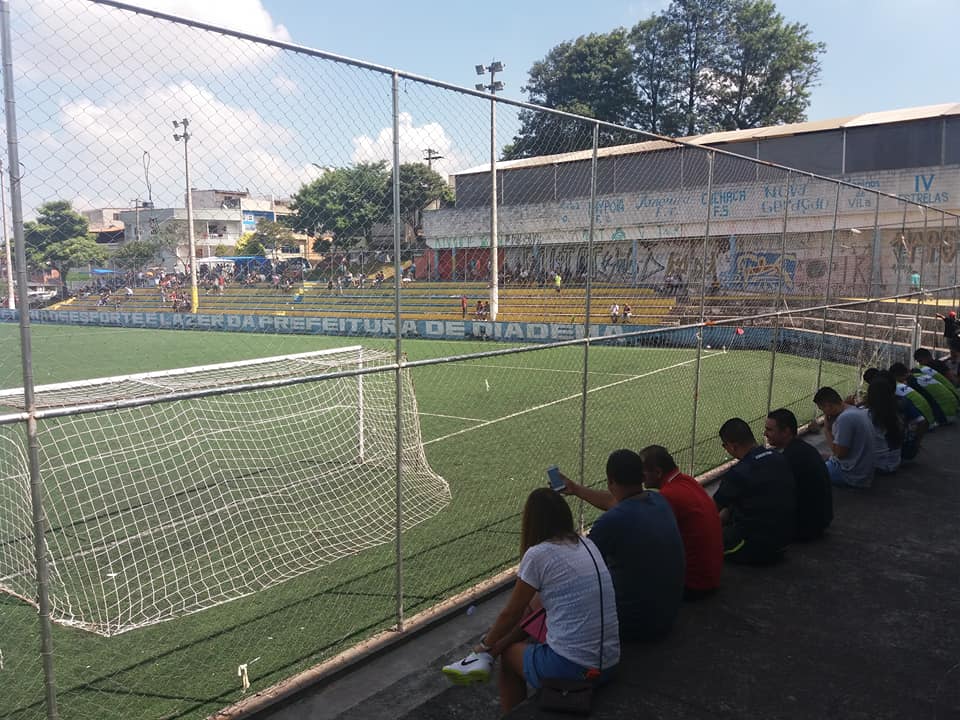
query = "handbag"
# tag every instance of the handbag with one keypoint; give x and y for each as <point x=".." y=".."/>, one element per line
<point x="574" y="696"/>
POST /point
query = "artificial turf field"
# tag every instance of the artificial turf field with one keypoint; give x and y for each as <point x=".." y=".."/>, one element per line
<point x="490" y="427"/>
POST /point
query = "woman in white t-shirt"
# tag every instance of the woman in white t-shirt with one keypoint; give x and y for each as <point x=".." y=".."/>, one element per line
<point x="568" y="573"/>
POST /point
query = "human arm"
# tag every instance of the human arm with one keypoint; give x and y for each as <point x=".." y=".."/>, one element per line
<point x="601" y="499"/>
<point x="505" y="629"/>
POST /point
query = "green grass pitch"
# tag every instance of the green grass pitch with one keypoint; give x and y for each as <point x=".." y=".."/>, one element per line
<point x="490" y="427"/>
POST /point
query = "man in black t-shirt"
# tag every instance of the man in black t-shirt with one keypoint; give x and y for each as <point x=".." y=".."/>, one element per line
<point x="756" y="499"/>
<point x="950" y="329"/>
<point x="814" y="491"/>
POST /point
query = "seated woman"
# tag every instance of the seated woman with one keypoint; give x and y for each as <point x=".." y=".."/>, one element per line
<point x="888" y="434"/>
<point x="575" y="590"/>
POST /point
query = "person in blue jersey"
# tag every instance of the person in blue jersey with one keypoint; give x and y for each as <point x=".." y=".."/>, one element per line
<point x="756" y="499"/>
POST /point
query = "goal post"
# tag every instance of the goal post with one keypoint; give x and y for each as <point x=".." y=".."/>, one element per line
<point x="197" y="486"/>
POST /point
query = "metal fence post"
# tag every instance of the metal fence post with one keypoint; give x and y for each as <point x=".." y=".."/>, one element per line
<point x="941" y="244"/>
<point x="398" y="372"/>
<point x="826" y="292"/>
<point x="26" y="355"/>
<point x="586" y="320"/>
<point x="696" y="381"/>
<point x="918" y="328"/>
<point x="776" y="308"/>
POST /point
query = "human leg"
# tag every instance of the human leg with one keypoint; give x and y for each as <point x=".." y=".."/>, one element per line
<point x="512" y="683"/>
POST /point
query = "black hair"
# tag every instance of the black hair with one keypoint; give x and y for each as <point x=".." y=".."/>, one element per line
<point x="659" y="457"/>
<point x="784" y="419"/>
<point x="625" y="467"/>
<point x="898" y="369"/>
<point x="870" y="374"/>
<point x="882" y="403"/>
<point x="737" y="432"/>
<point x="922" y="355"/>
<point x="827" y="395"/>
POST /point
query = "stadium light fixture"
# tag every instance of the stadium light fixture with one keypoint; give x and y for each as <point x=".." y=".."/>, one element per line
<point x="185" y="136"/>
<point x="494" y="87"/>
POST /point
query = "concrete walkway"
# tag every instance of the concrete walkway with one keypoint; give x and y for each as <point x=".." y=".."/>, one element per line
<point x="860" y="625"/>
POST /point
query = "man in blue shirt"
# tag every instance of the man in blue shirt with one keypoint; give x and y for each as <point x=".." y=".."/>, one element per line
<point x="756" y="499"/>
<point x="849" y="433"/>
<point x="640" y="542"/>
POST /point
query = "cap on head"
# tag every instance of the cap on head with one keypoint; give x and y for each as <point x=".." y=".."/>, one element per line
<point x="951" y="314"/>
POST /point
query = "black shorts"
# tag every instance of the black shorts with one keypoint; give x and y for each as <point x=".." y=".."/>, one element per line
<point x="739" y="549"/>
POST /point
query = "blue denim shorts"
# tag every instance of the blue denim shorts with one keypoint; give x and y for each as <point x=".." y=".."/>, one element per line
<point x="540" y="661"/>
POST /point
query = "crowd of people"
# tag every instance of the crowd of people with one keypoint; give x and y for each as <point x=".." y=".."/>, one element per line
<point x="661" y="540"/>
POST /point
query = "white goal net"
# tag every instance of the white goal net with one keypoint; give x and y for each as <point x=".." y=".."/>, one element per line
<point x="169" y="507"/>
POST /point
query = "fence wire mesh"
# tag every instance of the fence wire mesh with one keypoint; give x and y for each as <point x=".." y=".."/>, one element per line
<point x="195" y="197"/>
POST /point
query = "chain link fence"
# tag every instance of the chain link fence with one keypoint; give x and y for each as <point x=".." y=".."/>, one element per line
<point x="184" y="196"/>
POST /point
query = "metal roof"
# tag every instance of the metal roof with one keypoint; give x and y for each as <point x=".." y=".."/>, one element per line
<point x="734" y="136"/>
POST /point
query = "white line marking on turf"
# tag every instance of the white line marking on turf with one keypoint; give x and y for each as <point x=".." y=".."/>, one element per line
<point x="539" y="369"/>
<point x="569" y="397"/>
<point x="451" y="417"/>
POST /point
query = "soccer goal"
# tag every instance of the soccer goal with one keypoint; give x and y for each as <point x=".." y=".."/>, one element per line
<point x="171" y="492"/>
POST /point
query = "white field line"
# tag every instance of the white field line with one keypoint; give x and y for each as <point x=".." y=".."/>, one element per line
<point x="555" y="370"/>
<point x="451" y="417"/>
<point x="569" y="397"/>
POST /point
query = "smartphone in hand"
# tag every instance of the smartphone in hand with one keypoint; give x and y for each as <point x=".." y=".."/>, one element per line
<point x="553" y="476"/>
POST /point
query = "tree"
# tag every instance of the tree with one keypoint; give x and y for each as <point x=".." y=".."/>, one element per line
<point x="696" y="67"/>
<point x="344" y="201"/>
<point x="591" y="76"/>
<point x="271" y="236"/>
<point x="248" y="244"/>
<point x="59" y="239"/>
<point x="419" y="186"/>
<point x="768" y="70"/>
<point x="136" y="254"/>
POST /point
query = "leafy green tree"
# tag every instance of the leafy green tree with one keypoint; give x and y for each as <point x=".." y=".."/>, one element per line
<point x="250" y="245"/>
<point x="696" y="67"/>
<point x="136" y="254"/>
<point x="768" y="69"/>
<point x="271" y="236"/>
<point x="59" y="239"/>
<point x="591" y="76"/>
<point x="347" y="202"/>
<point x="419" y="186"/>
<point x="655" y="44"/>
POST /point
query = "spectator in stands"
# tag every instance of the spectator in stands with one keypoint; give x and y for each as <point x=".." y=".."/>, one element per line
<point x="812" y="482"/>
<point x="614" y="313"/>
<point x="640" y="541"/>
<point x="486" y="310"/>
<point x="557" y="281"/>
<point x="914" y="422"/>
<point x="919" y="397"/>
<point x="849" y="433"/>
<point x="567" y="574"/>
<point x="627" y="313"/>
<point x="756" y="499"/>
<point x="942" y="398"/>
<point x="881" y="405"/>
<point x="478" y="311"/>
<point x="696" y="516"/>
<point x="937" y="368"/>
<point x="463" y="306"/>
<point x="915" y="280"/>
<point x="950" y="329"/>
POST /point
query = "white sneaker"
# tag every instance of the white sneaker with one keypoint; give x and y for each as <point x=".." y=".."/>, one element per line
<point x="474" y="668"/>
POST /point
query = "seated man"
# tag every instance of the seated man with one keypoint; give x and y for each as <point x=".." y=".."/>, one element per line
<point x="924" y="358"/>
<point x="849" y="432"/>
<point x="942" y="400"/>
<point x="693" y="509"/>
<point x="640" y="542"/>
<point x="756" y="499"/>
<point x="814" y="493"/>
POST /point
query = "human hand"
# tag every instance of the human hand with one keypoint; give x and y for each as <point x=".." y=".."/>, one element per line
<point x="570" y="487"/>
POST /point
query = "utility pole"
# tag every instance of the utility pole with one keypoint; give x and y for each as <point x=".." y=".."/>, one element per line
<point x="495" y="85"/>
<point x="430" y="155"/>
<point x="185" y="136"/>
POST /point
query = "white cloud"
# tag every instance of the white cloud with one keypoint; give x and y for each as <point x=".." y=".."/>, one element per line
<point x="95" y="156"/>
<point x="79" y="41"/>
<point x="414" y="139"/>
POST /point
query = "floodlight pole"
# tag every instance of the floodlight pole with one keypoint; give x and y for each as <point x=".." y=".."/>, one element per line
<point x="11" y="302"/>
<point x="185" y="136"/>
<point x="493" y="68"/>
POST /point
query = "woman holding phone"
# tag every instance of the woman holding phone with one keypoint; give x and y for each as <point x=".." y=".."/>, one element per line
<point x="575" y="590"/>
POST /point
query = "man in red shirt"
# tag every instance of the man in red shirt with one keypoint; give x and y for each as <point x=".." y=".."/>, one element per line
<point x="696" y="516"/>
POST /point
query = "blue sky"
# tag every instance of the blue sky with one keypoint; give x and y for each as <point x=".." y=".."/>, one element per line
<point x="98" y="87"/>
<point x="881" y="54"/>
